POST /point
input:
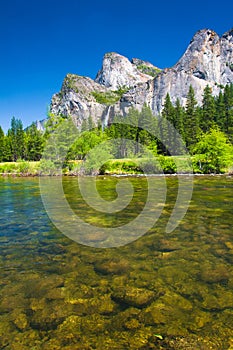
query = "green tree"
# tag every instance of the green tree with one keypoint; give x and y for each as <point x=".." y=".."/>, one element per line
<point x="16" y="138"/>
<point x="2" y="142"/>
<point x="52" y="123"/>
<point x="179" y="118"/>
<point x="7" y="153"/>
<point x="214" y="151"/>
<point x="96" y="158"/>
<point x="208" y="110"/>
<point x="167" y="123"/>
<point x="179" y="127"/>
<point x="34" y="143"/>
<point x="148" y="125"/>
<point x="85" y="142"/>
<point x="133" y="130"/>
<point x="228" y="100"/>
<point x="220" y="116"/>
<point x="191" y="120"/>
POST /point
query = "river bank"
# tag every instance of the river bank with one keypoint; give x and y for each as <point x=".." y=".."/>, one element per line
<point x="159" y="166"/>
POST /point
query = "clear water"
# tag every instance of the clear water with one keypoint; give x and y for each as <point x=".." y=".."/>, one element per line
<point x="162" y="291"/>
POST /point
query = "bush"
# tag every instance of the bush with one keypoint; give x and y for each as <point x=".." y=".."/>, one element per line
<point x="48" y="167"/>
<point x="24" y="167"/>
<point x="167" y="164"/>
<point x="150" y="166"/>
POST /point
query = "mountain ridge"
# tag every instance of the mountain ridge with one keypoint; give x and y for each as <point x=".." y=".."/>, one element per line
<point x="121" y="83"/>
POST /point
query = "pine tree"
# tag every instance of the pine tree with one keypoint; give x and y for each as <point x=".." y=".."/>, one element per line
<point x="208" y="110"/>
<point x="167" y="132"/>
<point x="191" y="121"/>
<point x="34" y="143"/>
<point x="120" y="131"/>
<point x="7" y="149"/>
<point x="2" y="140"/>
<point x="148" y="125"/>
<point x="228" y="100"/>
<point x="179" y="126"/>
<point x="179" y="118"/>
<point x="133" y="130"/>
<point x="17" y="139"/>
<point x="220" y="109"/>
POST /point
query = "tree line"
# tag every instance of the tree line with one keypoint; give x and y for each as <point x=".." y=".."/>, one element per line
<point x="193" y="122"/>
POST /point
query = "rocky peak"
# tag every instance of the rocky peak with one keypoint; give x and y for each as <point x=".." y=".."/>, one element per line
<point x="117" y="71"/>
<point x="228" y="35"/>
<point x="202" y="56"/>
<point x="121" y="84"/>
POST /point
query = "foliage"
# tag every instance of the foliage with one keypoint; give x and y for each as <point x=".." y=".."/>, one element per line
<point x="109" y="97"/>
<point x="120" y="166"/>
<point x="70" y="82"/>
<point x="48" y="167"/>
<point x="21" y="167"/>
<point x="2" y="144"/>
<point x="34" y="143"/>
<point x="191" y="121"/>
<point x="206" y="130"/>
<point x="84" y="143"/>
<point x="167" y="164"/>
<point x="96" y="158"/>
<point x="213" y="152"/>
<point x="208" y="110"/>
<point x="152" y="71"/>
<point x="16" y="139"/>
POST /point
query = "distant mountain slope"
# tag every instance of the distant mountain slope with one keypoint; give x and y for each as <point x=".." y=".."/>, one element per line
<point x="121" y="84"/>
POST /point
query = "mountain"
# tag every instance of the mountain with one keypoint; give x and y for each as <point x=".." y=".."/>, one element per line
<point x="121" y="83"/>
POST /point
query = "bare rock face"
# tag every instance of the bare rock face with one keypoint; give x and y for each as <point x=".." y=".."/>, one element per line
<point x="207" y="60"/>
<point x="117" y="71"/>
<point x="76" y="99"/>
<point x="121" y="84"/>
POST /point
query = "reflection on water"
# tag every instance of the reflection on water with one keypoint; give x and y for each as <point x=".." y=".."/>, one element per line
<point x="163" y="291"/>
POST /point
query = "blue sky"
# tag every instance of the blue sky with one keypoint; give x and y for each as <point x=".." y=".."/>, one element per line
<point x="43" y="40"/>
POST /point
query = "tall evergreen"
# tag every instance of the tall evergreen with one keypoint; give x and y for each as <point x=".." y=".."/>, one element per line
<point x="228" y="100"/>
<point x="179" y="127"/>
<point x="16" y="138"/>
<point x="179" y="118"/>
<point x="133" y="130"/>
<point x="148" y="125"/>
<point x="2" y="141"/>
<point x="220" y="115"/>
<point x="191" y="121"/>
<point x="208" y="111"/>
<point x="34" y="143"/>
<point x="167" y="125"/>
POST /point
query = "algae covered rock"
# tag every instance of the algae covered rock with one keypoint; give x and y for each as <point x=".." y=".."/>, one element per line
<point x="50" y="316"/>
<point x="20" y="320"/>
<point x="214" y="274"/>
<point x="138" y="297"/>
<point x="113" y="266"/>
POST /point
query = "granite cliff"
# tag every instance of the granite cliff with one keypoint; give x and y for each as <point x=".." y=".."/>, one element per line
<point x="121" y="83"/>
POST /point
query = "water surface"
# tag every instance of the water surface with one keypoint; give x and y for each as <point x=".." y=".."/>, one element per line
<point x="162" y="291"/>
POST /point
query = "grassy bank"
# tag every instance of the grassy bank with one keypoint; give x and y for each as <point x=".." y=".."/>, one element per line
<point x="128" y="166"/>
<point x="20" y="168"/>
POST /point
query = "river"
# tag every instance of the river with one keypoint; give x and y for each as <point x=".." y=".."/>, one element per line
<point x="156" y="289"/>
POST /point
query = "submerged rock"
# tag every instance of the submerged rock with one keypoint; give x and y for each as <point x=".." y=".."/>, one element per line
<point x="112" y="266"/>
<point x="138" y="297"/>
